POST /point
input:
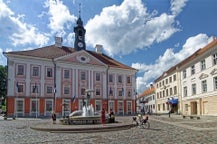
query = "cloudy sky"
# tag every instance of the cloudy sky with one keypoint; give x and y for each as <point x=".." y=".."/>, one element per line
<point x="149" y="35"/>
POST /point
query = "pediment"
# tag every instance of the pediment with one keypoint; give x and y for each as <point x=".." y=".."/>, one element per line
<point x="214" y="71"/>
<point x="203" y="76"/>
<point x="80" y="57"/>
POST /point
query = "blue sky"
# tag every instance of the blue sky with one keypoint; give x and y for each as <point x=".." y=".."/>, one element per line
<point x="149" y="35"/>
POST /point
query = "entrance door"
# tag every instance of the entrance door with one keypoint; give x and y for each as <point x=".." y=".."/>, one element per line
<point x="194" y="108"/>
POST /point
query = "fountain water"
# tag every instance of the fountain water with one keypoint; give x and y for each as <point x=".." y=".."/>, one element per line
<point x="87" y="113"/>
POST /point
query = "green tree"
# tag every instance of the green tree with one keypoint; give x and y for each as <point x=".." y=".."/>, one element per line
<point x="3" y="82"/>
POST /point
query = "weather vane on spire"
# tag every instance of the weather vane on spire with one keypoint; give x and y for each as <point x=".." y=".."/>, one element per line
<point x="79" y="10"/>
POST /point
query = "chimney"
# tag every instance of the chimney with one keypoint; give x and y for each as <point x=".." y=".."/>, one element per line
<point x="58" y="41"/>
<point x="99" y="48"/>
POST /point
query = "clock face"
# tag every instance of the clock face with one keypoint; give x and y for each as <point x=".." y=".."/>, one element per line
<point x="83" y="58"/>
<point x="80" y="44"/>
<point x="80" y="37"/>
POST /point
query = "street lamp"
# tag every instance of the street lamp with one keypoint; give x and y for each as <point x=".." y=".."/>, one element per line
<point x="35" y="90"/>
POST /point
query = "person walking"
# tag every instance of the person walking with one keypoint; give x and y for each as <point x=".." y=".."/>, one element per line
<point x="54" y="117"/>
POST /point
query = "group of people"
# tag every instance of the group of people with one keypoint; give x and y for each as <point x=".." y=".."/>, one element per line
<point x="111" y="118"/>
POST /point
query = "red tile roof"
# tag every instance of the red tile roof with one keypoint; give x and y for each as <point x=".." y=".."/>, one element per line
<point x="109" y="61"/>
<point x="147" y="92"/>
<point x="52" y="52"/>
<point x="49" y="52"/>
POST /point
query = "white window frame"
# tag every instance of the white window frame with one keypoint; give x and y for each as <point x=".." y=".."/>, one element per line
<point x="20" y="69"/>
<point x="184" y="74"/>
<point x="66" y="90"/>
<point x="192" y="69"/>
<point x="111" y="105"/>
<point x="21" y="111"/>
<point x="120" y="107"/>
<point x="98" y="105"/>
<point x="194" y="88"/>
<point x="203" y="65"/>
<point x="204" y="86"/>
<point x="185" y="91"/>
<point x="98" y="76"/>
<point x="129" y="107"/>
<point x="66" y="107"/>
<point x="66" y="74"/>
<point x="215" y="83"/>
<point x="37" y="104"/>
<point x="214" y="59"/>
<point x="47" y="109"/>
<point x="49" y="72"/>
<point x="35" y="71"/>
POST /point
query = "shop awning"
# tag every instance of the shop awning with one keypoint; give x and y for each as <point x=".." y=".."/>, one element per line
<point x="173" y="101"/>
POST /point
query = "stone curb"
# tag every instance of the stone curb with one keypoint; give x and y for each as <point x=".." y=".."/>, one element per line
<point x="77" y="129"/>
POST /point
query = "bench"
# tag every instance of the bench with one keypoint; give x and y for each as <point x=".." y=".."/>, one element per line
<point x="191" y="116"/>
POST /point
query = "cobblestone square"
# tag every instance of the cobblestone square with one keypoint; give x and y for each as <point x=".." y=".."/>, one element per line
<point x="163" y="130"/>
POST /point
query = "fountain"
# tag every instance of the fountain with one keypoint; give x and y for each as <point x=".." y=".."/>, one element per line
<point x="87" y="113"/>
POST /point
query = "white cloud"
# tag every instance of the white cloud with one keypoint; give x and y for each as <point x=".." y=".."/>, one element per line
<point x="19" y="32"/>
<point x="125" y="28"/>
<point x="169" y="59"/>
<point x="60" y="17"/>
<point x="70" y="39"/>
<point x="177" y="5"/>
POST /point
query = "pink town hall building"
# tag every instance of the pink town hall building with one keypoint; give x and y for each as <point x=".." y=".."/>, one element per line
<point x="55" y="78"/>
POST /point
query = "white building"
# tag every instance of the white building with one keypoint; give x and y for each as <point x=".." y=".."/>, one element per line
<point x="146" y="101"/>
<point x="199" y="81"/>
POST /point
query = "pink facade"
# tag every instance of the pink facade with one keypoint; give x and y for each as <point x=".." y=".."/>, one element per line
<point x="37" y="86"/>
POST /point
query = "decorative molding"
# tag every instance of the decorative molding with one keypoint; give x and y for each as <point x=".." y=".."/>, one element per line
<point x="203" y="76"/>
<point x="83" y="59"/>
<point x="214" y="71"/>
<point x="11" y="63"/>
<point x="193" y="79"/>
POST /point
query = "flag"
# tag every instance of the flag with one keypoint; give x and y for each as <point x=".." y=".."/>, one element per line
<point x="110" y="91"/>
<point x="35" y="89"/>
<point x="54" y="90"/>
<point x="122" y="91"/>
<point x="73" y="99"/>
<point x="17" y="85"/>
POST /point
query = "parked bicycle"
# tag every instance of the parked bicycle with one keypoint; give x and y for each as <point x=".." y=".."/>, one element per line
<point x="141" y="122"/>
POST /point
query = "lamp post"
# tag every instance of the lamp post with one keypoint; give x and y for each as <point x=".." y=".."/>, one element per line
<point x="36" y="101"/>
<point x="35" y="90"/>
<point x="17" y="85"/>
<point x="64" y="110"/>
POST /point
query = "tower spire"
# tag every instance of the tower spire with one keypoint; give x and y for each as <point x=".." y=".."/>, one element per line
<point x="79" y="43"/>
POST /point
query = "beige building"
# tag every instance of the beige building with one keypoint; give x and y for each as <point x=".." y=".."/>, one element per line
<point x="167" y="92"/>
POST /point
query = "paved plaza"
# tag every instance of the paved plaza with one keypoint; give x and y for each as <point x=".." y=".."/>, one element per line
<point x="164" y="130"/>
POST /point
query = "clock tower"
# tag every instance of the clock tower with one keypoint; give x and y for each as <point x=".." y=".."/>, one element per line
<point x="79" y="31"/>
